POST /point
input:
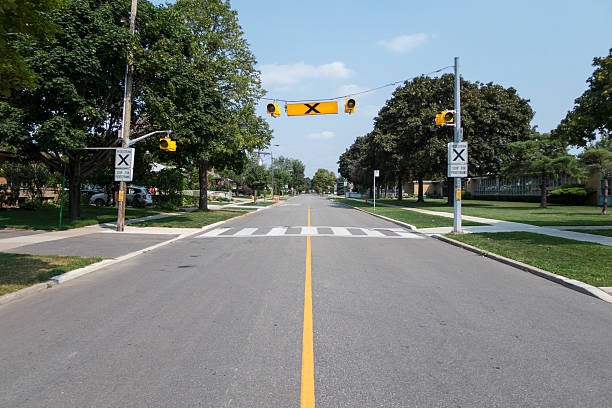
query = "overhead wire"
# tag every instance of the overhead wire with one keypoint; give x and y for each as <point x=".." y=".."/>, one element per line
<point x="357" y="93"/>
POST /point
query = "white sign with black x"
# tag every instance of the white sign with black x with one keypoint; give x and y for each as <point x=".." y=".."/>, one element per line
<point x="124" y="158"/>
<point x="124" y="164"/>
<point x="457" y="159"/>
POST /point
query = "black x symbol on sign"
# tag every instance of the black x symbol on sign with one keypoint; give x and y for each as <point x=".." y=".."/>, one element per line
<point x="123" y="159"/>
<point x="311" y="108"/>
<point x="458" y="155"/>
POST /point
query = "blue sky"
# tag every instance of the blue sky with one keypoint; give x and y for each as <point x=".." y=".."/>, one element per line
<point x="324" y="49"/>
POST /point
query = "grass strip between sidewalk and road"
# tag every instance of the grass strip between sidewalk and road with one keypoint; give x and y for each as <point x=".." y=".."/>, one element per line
<point x="258" y="204"/>
<point x="417" y="219"/>
<point x="527" y="213"/>
<point x="604" y="232"/>
<point x="48" y="218"/>
<point x="18" y="271"/>
<point x="584" y="261"/>
<point x="195" y="219"/>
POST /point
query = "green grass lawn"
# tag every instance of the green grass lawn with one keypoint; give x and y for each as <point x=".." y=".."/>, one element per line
<point x="528" y="213"/>
<point x="48" y="218"/>
<point x="196" y="219"/>
<point x="417" y="219"/>
<point x="604" y="232"/>
<point x="18" y="271"/>
<point x="584" y="261"/>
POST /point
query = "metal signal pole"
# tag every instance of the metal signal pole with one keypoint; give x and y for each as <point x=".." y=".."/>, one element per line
<point x="127" y="114"/>
<point x="458" y="138"/>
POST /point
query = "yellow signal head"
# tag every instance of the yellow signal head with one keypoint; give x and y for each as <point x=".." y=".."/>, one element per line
<point x="449" y="117"/>
<point x="349" y="105"/>
<point x="273" y="109"/>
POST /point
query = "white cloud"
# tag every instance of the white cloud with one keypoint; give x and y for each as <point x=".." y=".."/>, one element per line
<point x="275" y="74"/>
<point x="324" y="135"/>
<point x="404" y="43"/>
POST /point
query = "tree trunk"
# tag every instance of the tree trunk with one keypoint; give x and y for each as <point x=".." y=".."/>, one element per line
<point x="202" y="169"/>
<point x="450" y="190"/>
<point x="606" y="182"/>
<point x="420" y="199"/>
<point x="400" y="188"/>
<point x="543" y="185"/>
<point x="74" y="193"/>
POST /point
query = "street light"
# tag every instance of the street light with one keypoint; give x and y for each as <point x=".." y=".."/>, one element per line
<point x="260" y="162"/>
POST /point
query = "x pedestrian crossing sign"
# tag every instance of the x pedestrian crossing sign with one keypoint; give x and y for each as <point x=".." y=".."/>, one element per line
<point x="312" y="108"/>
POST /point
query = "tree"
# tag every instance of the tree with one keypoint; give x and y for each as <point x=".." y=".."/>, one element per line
<point x="544" y="155"/>
<point x="322" y="179"/>
<point x="255" y="176"/>
<point x="592" y="112"/>
<point x="350" y="162"/>
<point x="211" y="89"/>
<point x="492" y="117"/>
<point x="22" y="21"/>
<point x="78" y="102"/>
<point x="598" y="160"/>
<point x="298" y="183"/>
<point x="282" y="173"/>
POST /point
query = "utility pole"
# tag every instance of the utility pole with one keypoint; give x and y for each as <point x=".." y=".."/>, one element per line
<point x="272" y="167"/>
<point x="127" y="114"/>
<point x="458" y="138"/>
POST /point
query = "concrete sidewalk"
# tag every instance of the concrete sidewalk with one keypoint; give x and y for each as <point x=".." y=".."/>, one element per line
<point x="100" y="240"/>
<point x="507" y="226"/>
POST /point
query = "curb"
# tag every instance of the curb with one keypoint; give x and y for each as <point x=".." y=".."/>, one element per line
<point x="9" y="297"/>
<point x="21" y="293"/>
<point x="576" y="285"/>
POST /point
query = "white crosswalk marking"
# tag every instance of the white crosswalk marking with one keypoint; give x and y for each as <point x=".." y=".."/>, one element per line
<point x="373" y="233"/>
<point x="340" y="231"/>
<point x="309" y="231"/>
<point x="320" y="231"/>
<point x="215" y="232"/>
<point x="245" y="232"/>
<point x="277" y="231"/>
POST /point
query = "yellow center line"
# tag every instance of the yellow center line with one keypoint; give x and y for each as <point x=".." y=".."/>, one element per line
<point x="307" y="396"/>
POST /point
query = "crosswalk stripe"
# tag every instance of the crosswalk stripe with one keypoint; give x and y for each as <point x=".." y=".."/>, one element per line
<point x="277" y="231"/>
<point x="245" y="231"/>
<point x="373" y="233"/>
<point x="215" y="232"/>
<point x="309" y="231"/>
<point x="340" y="231"/>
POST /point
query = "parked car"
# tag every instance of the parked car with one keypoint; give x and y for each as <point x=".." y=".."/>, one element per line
<point x="133" y="193"/>
<point x="87" y="192"/>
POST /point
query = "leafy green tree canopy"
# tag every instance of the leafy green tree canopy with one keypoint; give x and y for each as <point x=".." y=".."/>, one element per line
<point x="22" y="20"/>
<point x="592" y="112"/>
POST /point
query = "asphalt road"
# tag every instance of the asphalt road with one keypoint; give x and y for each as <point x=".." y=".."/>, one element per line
<point x="399" y="320"/>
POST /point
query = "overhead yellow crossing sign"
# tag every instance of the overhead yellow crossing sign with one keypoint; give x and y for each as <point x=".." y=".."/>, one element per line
<point x="312" y="108"/>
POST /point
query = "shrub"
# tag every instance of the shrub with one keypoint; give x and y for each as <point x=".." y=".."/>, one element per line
<point x="169" y="183"/>
<point x="190" y="200"/>
<point x="51" y="204"/>
<point x="570" y="195"/>
<point x="32" y="177"/>
<point x="31" y="205"/>
<point x="501" y="197"/>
